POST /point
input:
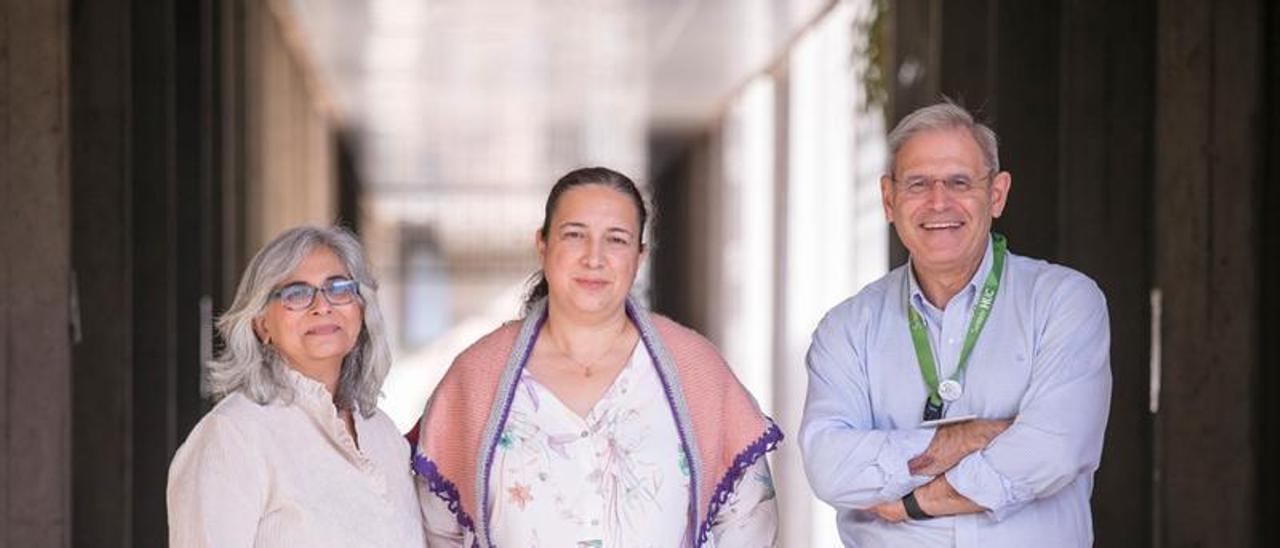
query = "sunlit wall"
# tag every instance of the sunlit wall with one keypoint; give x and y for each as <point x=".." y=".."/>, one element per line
<point x="782" y="222"/>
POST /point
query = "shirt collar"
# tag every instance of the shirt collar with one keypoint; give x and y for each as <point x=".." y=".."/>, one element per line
<point x="313" y="394"/>
<point x="917" y="295"/>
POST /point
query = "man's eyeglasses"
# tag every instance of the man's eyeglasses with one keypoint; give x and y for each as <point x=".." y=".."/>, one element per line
<point x="301" y="295"/>
<point x="918" y="185"/>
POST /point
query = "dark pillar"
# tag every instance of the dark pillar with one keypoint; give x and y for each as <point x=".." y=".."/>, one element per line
<point x="230" y="124"/>
<point x="348" y="173"/>
<point x="674" y="161"/>
<point x="966" y="68"/>
<point x="154" y="238"/>
<point x="198" y="174"/>
<point x="1269" y="271"/>
<point x="102" y="254"/>
<point x="1102" y="200"/>
<point x="1205" y="264"/>
<point x="1026" y="113"/>
<point x="147" y="226"/>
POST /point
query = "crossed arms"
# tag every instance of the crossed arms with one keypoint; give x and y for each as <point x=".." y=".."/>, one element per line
<point x="950" y="443"/>
<point x="994" y="466"/>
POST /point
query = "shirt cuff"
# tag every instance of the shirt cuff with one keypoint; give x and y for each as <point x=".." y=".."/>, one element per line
<point x="902" y="446"/>
<point x="975" y="479"/>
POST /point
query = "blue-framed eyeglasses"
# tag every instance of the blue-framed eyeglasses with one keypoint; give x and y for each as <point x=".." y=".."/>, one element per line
<point x="337" y="291"/>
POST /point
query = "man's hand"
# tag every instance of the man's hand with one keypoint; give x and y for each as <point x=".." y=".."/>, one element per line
<point x="953" y="442"/>
<point x="892" y="511"/>
<point x="939" y="498"/>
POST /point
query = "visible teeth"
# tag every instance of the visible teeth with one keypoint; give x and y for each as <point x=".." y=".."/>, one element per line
<point x="941" y="225"/>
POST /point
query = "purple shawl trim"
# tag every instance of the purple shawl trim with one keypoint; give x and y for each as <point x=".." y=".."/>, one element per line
<point x="443" y="488"/>
<point x="767" y="442"/>
<point x="691" y="514"/>
<point x="485" y="511"/>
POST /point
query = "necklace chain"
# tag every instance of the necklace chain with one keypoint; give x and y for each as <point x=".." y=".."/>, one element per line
<point x="586" y="366"/>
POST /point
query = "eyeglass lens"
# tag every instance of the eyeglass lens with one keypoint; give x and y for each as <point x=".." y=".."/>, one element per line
<point x="300" y="295"/>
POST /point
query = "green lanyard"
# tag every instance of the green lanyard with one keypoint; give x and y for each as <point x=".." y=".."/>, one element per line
<point x="920" y="337"/>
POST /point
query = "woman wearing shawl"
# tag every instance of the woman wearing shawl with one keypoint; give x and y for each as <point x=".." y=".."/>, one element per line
<point x="593" y="422"/>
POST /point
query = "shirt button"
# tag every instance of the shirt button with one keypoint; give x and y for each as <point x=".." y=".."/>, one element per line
<point x="595" y="522"/>
<point x="585" y="433"/>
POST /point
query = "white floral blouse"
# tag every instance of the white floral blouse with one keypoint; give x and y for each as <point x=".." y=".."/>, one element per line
<point x="616" y="478"/>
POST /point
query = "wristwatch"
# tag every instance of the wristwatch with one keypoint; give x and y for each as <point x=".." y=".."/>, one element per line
<point x="913" y="507"/>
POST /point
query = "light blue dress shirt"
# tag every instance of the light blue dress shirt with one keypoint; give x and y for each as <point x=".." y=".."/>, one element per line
<point x="1042" y="359"/>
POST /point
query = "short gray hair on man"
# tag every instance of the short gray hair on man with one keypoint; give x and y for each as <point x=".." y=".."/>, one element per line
<point x="254" y="368"/>
<point x="941" y="116"/>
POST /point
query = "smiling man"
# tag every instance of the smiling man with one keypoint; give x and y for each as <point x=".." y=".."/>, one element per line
<point x="961" y="399"/>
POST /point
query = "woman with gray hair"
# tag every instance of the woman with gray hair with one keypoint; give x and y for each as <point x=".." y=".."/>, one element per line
<point x="296" y="452"/>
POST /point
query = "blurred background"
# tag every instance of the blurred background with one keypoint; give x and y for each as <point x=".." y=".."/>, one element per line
<point x="149" y="148"/>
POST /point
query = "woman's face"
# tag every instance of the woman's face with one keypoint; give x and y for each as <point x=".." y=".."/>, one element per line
<point x="591" y="250"/>
<point x="322" y="334"/>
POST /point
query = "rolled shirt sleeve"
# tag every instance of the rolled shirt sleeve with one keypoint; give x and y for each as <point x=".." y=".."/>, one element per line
<point x="1058" y="432"/>
<point x="850" y="463"/>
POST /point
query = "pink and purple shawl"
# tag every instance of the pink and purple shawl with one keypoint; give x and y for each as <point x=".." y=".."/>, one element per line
<point x="721" y="429"/>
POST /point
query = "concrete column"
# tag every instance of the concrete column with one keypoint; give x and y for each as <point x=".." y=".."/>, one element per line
<point x="35" y="359"/>
<point x="289" y="152"/>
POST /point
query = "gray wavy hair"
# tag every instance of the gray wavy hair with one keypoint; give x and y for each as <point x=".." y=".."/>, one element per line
<point x="254" y="368"/>
<point x="944" y="115"/>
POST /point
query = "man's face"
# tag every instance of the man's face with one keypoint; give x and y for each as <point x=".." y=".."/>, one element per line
<point x="943" y="198"/>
